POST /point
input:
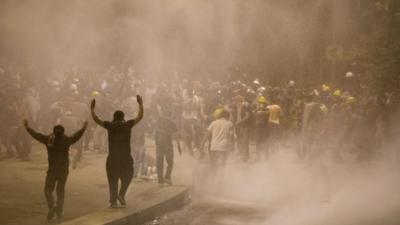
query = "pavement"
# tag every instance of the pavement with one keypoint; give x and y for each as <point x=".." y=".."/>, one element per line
<point x="22" y="198"/>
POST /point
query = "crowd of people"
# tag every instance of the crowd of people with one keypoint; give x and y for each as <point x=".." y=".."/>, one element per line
<point x="212" y="118"/>
<point x="337" y="118"/>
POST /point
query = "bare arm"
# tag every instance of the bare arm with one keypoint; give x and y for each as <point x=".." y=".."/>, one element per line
<point x="139" y="116"/>
<point x="36" y="135"/>
<point x="77" y="135"/>
<point x="94" y="116"/>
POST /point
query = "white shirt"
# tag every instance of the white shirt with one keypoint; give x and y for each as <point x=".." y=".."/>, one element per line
<point x="221" y="133"/>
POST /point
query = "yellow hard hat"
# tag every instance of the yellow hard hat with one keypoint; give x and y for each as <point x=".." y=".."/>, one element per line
<point x="218" y="112"/>
<point x="337" y="93"/>
<point x="350" y="100"/>
<point x="95" y="93"/>
<point x="262" y="100"/>
<point x="325" y="88"/>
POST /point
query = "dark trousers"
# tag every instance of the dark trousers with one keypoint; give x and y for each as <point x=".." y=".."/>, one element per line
<point x="56" y="179"/>
<point x="167" y="153"/>
<point x="118" y="170"/>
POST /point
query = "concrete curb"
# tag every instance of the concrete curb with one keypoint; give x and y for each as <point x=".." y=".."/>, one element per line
<point x="148" y="209"/>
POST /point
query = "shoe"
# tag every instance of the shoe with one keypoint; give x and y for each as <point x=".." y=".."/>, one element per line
<point x="114" y="205"/>
<point x="122" y="200"/>
<point x="161" y="184"/>
<point x="168" y="182"/>
<point x="51" y="213"/>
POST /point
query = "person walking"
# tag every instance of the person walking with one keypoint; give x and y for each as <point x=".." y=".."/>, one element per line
<point x="119" y="165"/>
<point x="165" y="131"/>
<point x="220" y="135"/>
<point x="57" y="145"/>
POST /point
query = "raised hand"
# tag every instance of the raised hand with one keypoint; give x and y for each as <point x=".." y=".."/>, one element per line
<point x="139" y="99"/>
<point x="93" y="104"/>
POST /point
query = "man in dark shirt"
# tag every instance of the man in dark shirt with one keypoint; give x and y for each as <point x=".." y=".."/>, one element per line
<point x="119" y="163"/>
<point x="165" y="130"/>
<point x="57" y="145"/>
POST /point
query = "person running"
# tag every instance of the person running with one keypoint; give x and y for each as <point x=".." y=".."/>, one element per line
<point x="57" y="145"/>
<point x="119" y="163"/>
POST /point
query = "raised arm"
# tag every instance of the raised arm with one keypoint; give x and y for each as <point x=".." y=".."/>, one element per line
<point x="139" y="116"/>
<point x="77" y="135"/>
<point x="36" y="135"/>
<point x="93" y="113"/>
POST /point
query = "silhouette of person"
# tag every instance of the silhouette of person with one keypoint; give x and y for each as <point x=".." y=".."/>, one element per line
<point x="57" y="145"/>
<point x="119" y="163"/>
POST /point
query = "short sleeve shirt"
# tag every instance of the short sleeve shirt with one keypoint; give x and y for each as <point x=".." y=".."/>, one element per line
<point x="119" y="138"/>
<point x="221" y="132"/>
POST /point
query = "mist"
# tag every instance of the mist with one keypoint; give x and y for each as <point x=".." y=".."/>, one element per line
<point x="287" y="190"/>
<point x="267" y="39"/>
<point x="56" y="56"/>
